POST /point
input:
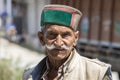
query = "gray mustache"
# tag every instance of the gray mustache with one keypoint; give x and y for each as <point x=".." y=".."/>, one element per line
<point x="50" y="47"/>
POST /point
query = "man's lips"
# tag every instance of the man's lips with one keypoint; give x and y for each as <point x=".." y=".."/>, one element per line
<point x="59" y="49"/>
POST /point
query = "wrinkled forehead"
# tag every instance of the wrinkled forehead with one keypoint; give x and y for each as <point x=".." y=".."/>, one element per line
<point x="52" y="27"/>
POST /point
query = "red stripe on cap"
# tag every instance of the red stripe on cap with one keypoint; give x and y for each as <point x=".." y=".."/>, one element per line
<point x="72" y="20"/>
<point x="62" y="9"/>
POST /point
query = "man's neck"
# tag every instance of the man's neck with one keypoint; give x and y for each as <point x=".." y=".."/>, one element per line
<point x="55" y="64"/>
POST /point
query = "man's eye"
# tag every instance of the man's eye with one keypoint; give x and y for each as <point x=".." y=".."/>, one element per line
<point x="65" y="34"/>
<point x="51" y="36"/>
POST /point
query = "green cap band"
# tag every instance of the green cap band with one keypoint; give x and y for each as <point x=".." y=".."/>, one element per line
<point x="56" y="17"/>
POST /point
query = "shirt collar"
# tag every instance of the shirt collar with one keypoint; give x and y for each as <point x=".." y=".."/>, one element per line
<point x="62" y="69"/>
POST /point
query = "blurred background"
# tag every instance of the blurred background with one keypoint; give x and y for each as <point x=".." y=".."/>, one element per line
<point x="20" y="21"/>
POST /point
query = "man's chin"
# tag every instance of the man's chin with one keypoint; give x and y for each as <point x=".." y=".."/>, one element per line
<point x="58" y="58"/>
<point x="58" y="55"/>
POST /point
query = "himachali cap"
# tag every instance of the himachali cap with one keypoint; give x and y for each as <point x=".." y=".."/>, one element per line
<point x="61" y="15"/>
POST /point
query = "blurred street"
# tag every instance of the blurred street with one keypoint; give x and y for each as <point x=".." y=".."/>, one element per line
<point x="25" y="56"/>
<point x="17" y="53"/>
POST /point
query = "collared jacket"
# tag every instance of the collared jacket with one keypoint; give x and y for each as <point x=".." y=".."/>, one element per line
<point x="76" y="68"/>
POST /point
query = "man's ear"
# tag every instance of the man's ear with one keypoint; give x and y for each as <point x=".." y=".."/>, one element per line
<point x="41" y="38"/>
<point x="76" y="37"/>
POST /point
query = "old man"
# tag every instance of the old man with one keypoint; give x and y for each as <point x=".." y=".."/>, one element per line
<point x="59" y="35"/>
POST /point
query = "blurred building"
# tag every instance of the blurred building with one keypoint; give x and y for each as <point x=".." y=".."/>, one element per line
<point x="100" y="20"/>
<point x="25" y="14"/>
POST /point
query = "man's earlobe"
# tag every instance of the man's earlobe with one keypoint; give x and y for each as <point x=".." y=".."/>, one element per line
<point x="41" y="38"/>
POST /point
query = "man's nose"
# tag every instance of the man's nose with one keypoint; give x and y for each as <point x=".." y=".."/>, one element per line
<point x="58" y="41"/>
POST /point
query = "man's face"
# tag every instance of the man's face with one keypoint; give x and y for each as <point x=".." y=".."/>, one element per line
<point x="59" y="41"/>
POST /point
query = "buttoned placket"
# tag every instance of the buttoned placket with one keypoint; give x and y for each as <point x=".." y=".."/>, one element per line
<point x="61" y="72"/>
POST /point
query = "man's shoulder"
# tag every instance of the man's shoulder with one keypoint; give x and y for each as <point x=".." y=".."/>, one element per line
<point x="96" y="62"/>
<point x="30" y="72"/>
<point x="93" y="62"/>
<point x="27" y="74"/>
<point x="95" y="66"/>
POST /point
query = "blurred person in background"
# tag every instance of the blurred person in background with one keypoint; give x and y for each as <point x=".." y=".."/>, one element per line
<point x="10" y="30"/>
<point x="59" y="35"/>
<point x="0" y="22"/>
